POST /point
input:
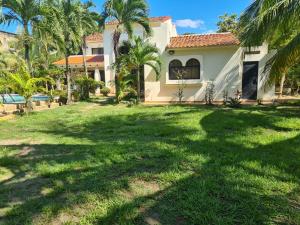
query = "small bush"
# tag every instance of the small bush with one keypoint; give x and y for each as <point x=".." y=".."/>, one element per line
<point x="105" y="91"/>
<point x="209" y="93"/>
<point x="130" y="94"/>
<point x="234" y="102"/>
<point x="63" y="96"/>
<point x="76" y="95"/>
<point x="87" y="86"/>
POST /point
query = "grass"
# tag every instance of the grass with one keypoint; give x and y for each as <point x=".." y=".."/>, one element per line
<point x="93" y="164"/>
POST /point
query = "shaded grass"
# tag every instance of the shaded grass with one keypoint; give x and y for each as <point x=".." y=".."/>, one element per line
<point x="93" y="164"/>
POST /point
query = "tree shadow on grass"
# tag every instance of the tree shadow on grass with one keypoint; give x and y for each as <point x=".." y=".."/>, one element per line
<point x="223" y="177"/>
<point x="237" y="185"/>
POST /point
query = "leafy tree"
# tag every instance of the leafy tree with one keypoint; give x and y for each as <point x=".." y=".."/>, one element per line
<point x="278" y="23"/>
<point x="22" y="83"/>
<point x="228" y="23"/>
<point x="141" y="53"/>
<point x="26" y="13"/>
<point x="125" y="13"/>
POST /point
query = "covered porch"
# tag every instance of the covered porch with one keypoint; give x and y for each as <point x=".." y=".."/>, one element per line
<point x="94" y="64"/>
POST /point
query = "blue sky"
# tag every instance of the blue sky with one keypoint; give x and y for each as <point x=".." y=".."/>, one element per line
<point x="196" y="16"/>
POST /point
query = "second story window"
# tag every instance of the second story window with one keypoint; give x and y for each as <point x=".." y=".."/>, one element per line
<point x="97" y="51"/>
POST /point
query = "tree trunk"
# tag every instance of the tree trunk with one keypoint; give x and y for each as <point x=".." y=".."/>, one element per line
<point x="47" y="89"/>
<point x="138" y="86"/>
<point x="84" y="56"/>
<point x="58" y="84"/>
<point x="28" y="105"/>
<point x="116" y="40"/>
<point x="27" y="47"/>
<point x="69" y="100"/>
<point x="282" y="80"/>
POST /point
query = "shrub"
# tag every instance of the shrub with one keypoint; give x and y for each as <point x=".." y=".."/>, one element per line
<point x="209" y="93"/>
<point x="225" y="97"/>
<point x="77" y="96"/>
<point x="130" y="94"/>
<point x="62" y="94"/>
<point x="234" y="102"/>
<point x="105" y="91"/>
<point x="86" y="86"/>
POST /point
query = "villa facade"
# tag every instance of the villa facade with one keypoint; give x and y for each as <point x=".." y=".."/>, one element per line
<point x="204" y="58"/>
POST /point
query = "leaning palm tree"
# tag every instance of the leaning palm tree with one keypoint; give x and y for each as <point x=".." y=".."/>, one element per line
<point x="278" y="23"/>
<point x="141" y="53"/>
<point x="125" y="13"/>
<point x="24" y="12"/>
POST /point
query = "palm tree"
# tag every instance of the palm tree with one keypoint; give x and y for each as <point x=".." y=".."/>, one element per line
<point x="278" y="23"/>
<point x="141" y="53"/>
<point x="24" y="12"/>
<point x="125" y="13"/>
<point x="67" y="22"/>
<point x="22" y="83"/>
<point x="88" y="24"/>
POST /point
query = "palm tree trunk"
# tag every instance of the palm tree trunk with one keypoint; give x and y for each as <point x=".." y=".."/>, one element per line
<point x="138" y="86"/>
<point x="69" y="100"/>
<point x="282" y="80"/>
<point x="84" y="56"/>
<point x="26" y="46"/>
<point x="116" y="40"/>
<point x="28" y="106"/>
<point x="58" y="84"/>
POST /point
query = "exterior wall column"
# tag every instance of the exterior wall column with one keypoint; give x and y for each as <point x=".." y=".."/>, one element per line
<point x="97" y="77"/>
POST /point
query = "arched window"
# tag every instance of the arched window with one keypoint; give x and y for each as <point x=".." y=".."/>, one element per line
<point x="192" y="69"/>
<point x="175" y="67"/>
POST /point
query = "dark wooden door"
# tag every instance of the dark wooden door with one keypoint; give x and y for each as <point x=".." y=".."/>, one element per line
<point x="250" y="77"/>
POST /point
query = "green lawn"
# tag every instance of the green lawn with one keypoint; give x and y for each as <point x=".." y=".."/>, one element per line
<point x="93" y="164"/>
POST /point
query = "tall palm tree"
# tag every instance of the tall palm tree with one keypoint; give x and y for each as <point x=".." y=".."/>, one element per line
<point x="125" y="13"/>
<point x="278" y="23"/>
<point x="24" y="12"/>
<point x="141" y="53"/>
<point x="66" y="13"/>
<point x="89" y="23"/>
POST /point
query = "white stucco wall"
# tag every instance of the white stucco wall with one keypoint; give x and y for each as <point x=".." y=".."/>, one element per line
<point x="91" y="45"/>
<point x="221" y="65"/>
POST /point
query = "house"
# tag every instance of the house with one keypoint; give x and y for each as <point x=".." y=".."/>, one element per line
<point x="204" y="58"/>
<point x="6" y="38"/>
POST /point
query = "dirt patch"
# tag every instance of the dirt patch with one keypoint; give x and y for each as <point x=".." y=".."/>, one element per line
<point x="145" y="185"/>
<point x="65" y="218"/>
<point x="89" y="107"/>
<point x="4" y="117"/>
<point x="25" y="151"/>
<point x="9" y="142"/>
<point x="12" y="142"/>
<point x="152" y="219"/>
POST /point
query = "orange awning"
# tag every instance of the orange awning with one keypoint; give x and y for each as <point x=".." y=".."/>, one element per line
<point x="77" y="60"/>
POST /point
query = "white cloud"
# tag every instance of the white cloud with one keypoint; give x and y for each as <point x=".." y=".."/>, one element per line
<point x="209" y="32"/>
<point x="188" y="23"/>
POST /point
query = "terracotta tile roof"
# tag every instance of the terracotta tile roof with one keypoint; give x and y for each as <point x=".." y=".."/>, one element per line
<point x="78" y="60"/>
<point x="95" y="37"/>
<point x="160" y="19"/>
<point x="203" y="40"/>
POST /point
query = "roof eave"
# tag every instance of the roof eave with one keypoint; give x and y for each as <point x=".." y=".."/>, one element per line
<point x="201" y="47"/>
